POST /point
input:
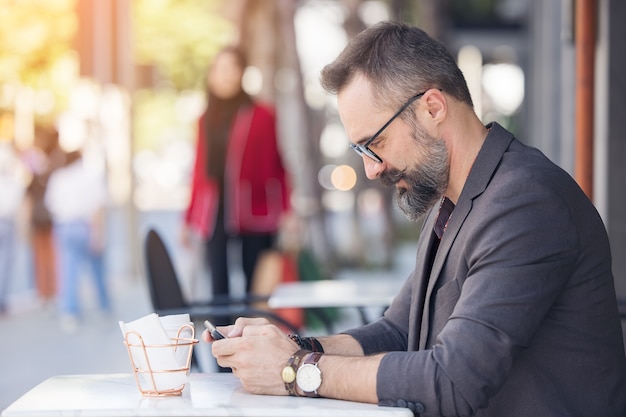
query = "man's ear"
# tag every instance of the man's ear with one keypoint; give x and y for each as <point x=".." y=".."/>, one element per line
<point x="436" y="104"/>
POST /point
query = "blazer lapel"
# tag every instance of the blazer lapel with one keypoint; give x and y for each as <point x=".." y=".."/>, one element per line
<point x="454" y="224"/>
<point x="421" y="276"/>
<point x="487" y="161"/>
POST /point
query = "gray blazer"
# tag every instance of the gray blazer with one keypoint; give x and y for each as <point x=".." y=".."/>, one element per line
<point x="518" y="315"/>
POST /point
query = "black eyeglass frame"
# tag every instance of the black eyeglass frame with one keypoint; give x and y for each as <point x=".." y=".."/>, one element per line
<point x="363" y="149"/>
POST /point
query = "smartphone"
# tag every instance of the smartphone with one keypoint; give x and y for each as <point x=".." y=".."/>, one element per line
<point x="215" y="334"/>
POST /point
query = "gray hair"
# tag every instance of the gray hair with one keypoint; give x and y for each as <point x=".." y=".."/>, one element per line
<point x="399" y="61"/>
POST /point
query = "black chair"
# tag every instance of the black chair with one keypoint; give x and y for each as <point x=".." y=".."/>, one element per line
<point x="167" y="297"/>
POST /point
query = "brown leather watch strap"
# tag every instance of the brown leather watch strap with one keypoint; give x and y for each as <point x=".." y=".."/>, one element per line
<point x="313" y="358"/>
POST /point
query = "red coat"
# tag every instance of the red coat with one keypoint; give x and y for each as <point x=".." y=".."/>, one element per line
<point x="256" y="188"/>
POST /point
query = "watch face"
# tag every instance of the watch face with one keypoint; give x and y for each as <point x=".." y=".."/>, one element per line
<point x="309" y="378"/>
<point x="289" y="375"/>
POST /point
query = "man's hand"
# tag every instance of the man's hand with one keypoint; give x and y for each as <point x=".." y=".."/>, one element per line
<point x="235" y="330"/>
<point x="257" y="352"/>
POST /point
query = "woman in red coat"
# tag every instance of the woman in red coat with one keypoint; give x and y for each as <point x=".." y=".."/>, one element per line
<point x="239" y="187"/>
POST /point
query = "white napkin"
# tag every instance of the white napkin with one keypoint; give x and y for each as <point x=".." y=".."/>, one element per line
<point x="158" y="331"/>
<point x="179" y="326"/>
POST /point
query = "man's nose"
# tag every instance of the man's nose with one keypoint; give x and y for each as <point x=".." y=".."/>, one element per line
<point x="373" y="169"/>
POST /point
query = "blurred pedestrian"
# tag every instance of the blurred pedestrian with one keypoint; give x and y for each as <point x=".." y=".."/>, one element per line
<point x="42" y="159"/>
<point x="12" y="188"/>
<point x="239" y="188"/>
<point x="76" y="198"/>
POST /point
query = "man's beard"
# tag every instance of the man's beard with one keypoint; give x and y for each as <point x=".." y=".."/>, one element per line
<point x="426" y="182"/>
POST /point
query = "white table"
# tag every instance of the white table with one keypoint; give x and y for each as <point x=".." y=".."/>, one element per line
<point x="359" y="293"/>
<point x="209" y="395"/>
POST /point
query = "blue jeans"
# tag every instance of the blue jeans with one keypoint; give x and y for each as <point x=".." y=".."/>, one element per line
<point x="72" y="241"/>
<point x="7" y="246"/>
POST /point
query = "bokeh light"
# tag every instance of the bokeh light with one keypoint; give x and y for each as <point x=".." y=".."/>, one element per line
<point x="343" y="177"/>
<point x="333" y="142"/>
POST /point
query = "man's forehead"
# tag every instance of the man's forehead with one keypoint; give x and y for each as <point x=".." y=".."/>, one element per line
<point x="355" y="105"/>
<point x="359" y="89"/>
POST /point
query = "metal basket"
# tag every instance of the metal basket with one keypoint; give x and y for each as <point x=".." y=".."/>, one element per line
<point x="146" y="372"/>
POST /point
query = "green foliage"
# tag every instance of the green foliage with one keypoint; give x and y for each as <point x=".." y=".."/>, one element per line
<point x="309" y="269"/>
<point x="154" y="117"/>
<point x="179" y="37"/>
<point x="34" y="34"/>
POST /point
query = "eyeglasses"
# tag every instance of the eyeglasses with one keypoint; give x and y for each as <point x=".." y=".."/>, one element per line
<point x="363" y="149"/>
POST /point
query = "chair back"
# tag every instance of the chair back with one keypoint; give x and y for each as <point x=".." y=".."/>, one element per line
<point x="165" y="292"/>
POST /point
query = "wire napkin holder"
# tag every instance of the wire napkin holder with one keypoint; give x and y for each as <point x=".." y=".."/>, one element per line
<point x="146" y="372"/>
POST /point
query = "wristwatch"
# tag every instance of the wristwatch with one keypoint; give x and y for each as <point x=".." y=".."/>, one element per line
<point x="289" y="371"/>
<point x="309" y="376"/>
